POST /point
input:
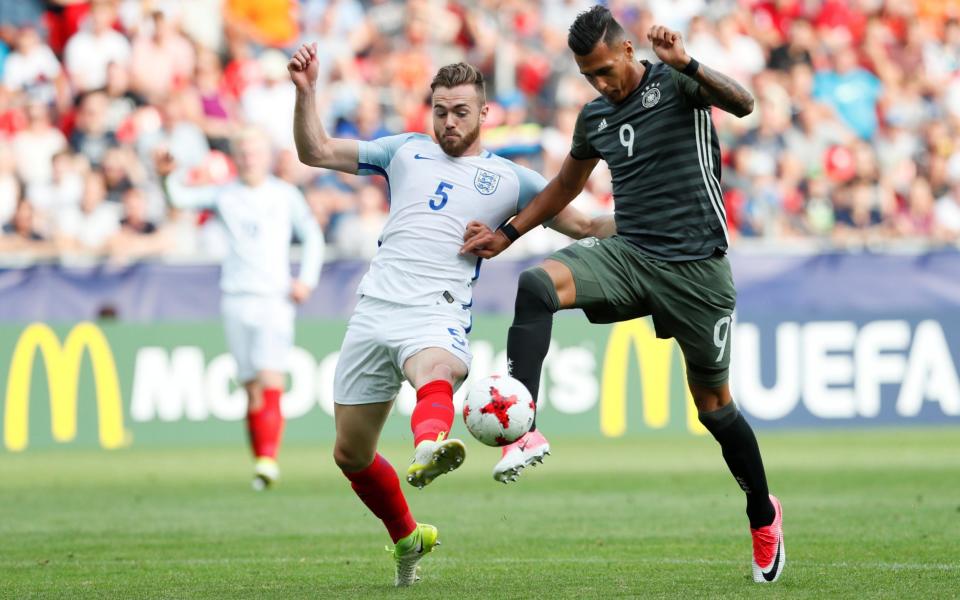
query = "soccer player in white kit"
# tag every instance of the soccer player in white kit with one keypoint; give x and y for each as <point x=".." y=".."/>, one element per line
<point x="413" y="316"/>
<point x="260" y="213"/>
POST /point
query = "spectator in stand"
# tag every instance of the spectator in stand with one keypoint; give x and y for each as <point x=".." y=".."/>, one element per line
<point x="178" y="134"/>
<point x="941" y="57"/>
<point x="138" y="236"/>
<point x="268" y="104"/>
<point x="20" y="236"/>
<point x="947" y="213"/>
<point x="90" y="51"/>
<point x="9" y="183"/>
<point x="915" y="219"/>
<point x="62" y="193"/>
<point x="367" y="122"/>
<point x="852" y="91"/>
<point x="162" y="58"/>
<point x="35" y="146"/>
<point x="797" y="49"/>
<point x="815" y="130"/>
<point x="119" y="173"/>
<point x="859" y="214"/>
<point x="769" y="137"/>
<point x="87" y="229"/>
<point x="122" y="102"/>
<point x="218" y="107"/>
<point x="92" y="136"/>
<point x="265" y="22"/>
<point x="358" y="234"/>
<point x="34" y="69"/>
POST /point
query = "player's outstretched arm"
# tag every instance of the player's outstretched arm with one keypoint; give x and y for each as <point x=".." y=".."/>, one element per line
<point x="314" y="146"/>
<point x="716" y="88"/>
<point x="573" y="223"/>
<point x="312" y="249"/>
<point x="558" y="193"/>
<point x="176" y="192"/>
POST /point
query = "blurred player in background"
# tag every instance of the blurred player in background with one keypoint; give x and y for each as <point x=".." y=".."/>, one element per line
<point x="652" y="126"/>
<point x="260" y="214"/>
<point x="413" y="316"/>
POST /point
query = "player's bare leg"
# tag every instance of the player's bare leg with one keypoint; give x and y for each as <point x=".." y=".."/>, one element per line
<point x="720" y="416"/>
<point x="265" y="425"/>
<point x="376" y="484"/>
<point x="541" y="292"/>
<point x="433" y="372"/>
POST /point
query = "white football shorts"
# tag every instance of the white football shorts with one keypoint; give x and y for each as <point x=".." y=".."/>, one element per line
<point x="259" y="332"/>
<point x="382" y="335"/>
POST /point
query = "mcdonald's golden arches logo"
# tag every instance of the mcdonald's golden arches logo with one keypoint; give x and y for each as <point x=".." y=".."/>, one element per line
<point x="63" y="377"/>
<point x="654" y="359"/>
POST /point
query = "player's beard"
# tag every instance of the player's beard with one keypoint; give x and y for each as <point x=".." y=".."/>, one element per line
<point x="458" y="145"/>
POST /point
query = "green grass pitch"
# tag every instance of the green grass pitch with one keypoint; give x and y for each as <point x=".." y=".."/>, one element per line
<point x="868" y="514"/>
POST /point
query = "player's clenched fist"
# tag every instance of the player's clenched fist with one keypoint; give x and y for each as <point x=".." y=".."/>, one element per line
<point x="303" y="66"/>
<point x="668" y="46"/>
<point x="481" y="241"/>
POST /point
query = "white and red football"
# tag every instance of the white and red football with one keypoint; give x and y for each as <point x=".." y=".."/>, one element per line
<point x="498" y="410"/>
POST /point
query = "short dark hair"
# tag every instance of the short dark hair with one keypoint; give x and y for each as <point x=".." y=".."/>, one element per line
<point x="458" y="74"/>
<point x="592" y="26"/>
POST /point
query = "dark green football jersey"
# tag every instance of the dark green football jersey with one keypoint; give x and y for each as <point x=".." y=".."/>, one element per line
<point x="664" y="157"/>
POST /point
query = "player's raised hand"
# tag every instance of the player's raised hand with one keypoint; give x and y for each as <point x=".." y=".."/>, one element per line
<point x="482" y="242"/>
<point x="304" y="66"/>
<point x="668" y="46"/>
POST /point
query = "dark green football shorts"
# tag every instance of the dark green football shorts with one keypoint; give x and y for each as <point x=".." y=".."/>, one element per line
<point x="691" y="301"/>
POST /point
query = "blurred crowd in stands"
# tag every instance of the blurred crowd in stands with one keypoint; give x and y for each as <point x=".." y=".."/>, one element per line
<point x="855" y="140"/>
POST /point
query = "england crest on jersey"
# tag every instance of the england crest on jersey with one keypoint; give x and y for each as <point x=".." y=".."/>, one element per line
<point x="486" y="182"/>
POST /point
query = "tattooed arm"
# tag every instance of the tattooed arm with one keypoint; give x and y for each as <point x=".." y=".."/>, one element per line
<point x="714" y="88"/>
<point x="723" y="92"/>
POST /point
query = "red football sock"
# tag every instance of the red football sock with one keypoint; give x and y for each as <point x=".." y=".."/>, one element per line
<point x="434" y="411"/>
<point x="266" y="425"/>
<point x="379" y="488"/>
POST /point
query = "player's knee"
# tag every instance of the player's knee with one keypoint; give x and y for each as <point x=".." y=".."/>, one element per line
<point x="351" y="459"/>
<point x="535" y="291"/>
<point x="708" y="399"/>
<point x="441" y="371"/>
<point x="269" y="379"/>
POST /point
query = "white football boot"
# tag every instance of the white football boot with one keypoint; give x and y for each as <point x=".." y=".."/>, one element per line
<point x="266" y="472"/>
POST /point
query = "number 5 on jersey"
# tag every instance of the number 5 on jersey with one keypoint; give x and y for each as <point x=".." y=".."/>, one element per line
<point x="441" y="193"/>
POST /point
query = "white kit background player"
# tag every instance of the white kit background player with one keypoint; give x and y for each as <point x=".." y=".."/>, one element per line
<point x="413" y="316"/>
<point x="260" y="213"/>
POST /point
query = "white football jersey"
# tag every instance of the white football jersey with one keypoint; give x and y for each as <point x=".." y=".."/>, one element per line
<point x="432" y="198"/>
<point x="259" y="223"/>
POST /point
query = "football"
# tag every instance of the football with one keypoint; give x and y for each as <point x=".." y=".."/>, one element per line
<point x="498" y="410"/>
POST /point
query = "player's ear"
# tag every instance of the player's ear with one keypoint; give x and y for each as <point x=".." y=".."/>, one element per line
<point x="628" y="50"/>
<point x="483" y="112"/>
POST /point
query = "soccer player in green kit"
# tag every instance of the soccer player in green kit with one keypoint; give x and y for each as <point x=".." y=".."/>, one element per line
<point x="652" y="126"/>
